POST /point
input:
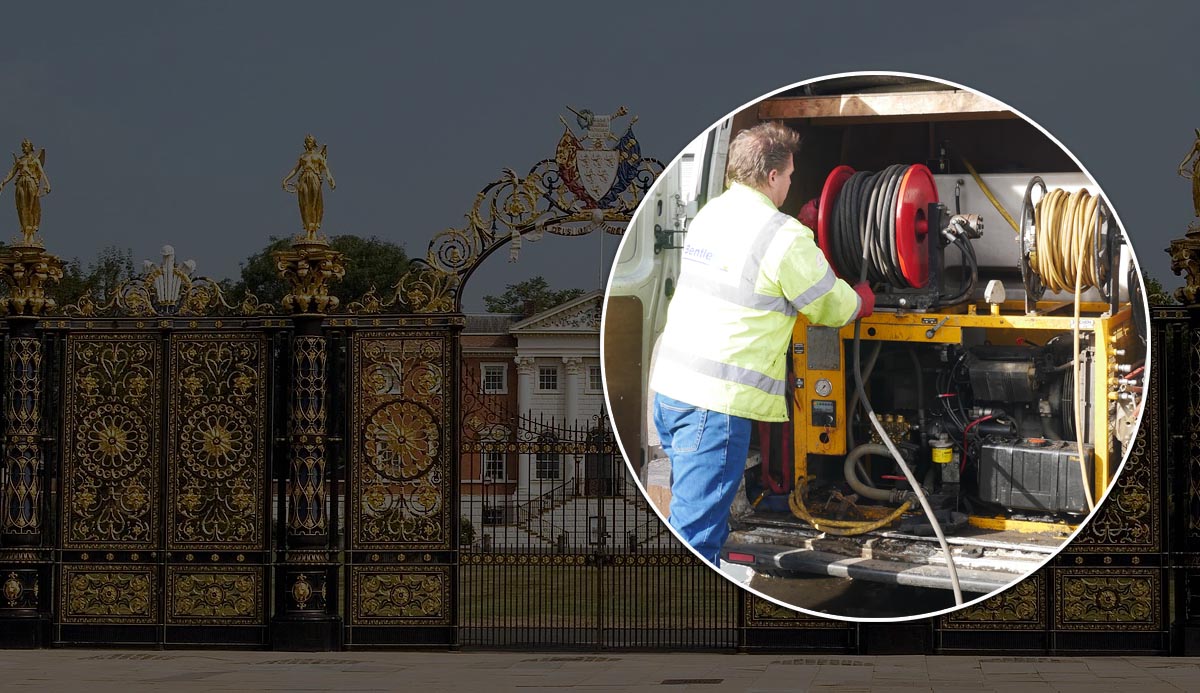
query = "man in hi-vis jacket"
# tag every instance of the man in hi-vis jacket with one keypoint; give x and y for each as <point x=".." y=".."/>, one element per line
<point x="747" y="271"/>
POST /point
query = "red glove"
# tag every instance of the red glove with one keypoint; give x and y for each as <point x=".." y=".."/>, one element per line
<point x="808" y="214"/>
<point x="867" y="296"/>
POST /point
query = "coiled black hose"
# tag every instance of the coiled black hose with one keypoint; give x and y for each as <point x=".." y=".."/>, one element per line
<point x="865" y="215"/>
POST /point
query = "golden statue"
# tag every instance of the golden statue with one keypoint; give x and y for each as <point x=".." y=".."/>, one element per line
<point x="308" y="173"/>
<point x="1193" y="157"/>
<point x="29" y="172"/>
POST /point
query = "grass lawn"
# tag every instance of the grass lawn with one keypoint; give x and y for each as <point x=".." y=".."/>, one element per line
<point x="583" y="596"/>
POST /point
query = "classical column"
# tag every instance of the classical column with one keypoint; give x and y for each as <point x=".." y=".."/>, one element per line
<point x="526" y="373"/>
<point x="307" y="573"/>
<point x="573" y="367"/>
<point x="26" y="547"/>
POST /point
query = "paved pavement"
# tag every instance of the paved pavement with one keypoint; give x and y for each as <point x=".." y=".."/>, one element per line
<point x="99" y="671"/>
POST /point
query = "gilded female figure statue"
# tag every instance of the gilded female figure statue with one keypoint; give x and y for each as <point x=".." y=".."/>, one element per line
<point x="1195" y="172"/>
<point x="308" y="173"/>
<point x="29" y="172"/>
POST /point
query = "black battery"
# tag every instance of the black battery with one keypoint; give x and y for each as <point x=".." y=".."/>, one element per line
<point x="1035" y="474"/>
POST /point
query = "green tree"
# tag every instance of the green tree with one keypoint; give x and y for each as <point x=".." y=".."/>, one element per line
<point x="1156" y="295"/>
<point x="369" y="262"/>
<point x="72" y="285"/>
<point x="529" y="297"/>
<point x="112" y="267"/>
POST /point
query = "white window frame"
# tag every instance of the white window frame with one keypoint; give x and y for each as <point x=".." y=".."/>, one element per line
<point x="499" y="458"/>
<point x="541" y="373"/>
<point x="595" y="368"/>
<point x="547" y="458"/>
<point x="483" y="368"/>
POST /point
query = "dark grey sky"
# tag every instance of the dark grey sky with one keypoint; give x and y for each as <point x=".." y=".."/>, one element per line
<point x="175" y="124"/>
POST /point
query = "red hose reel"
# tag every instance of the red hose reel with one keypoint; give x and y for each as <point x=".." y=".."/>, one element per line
<point x="916" y="192"/>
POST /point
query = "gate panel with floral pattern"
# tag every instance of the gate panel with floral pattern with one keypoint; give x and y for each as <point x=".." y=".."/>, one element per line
<point x="401" y="527"/>
<point x="164" y="487"/>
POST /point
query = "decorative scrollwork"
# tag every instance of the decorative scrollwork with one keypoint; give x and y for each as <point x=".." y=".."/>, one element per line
<point x="307" y="492"/>
<point x="1189" y="464"/>
<point x="110" y="463"/>
<point x="1105" y="601"/>
<point x="116" y="594"/>
<point x="215" y="596"/>
<point x="401" y="409"/>
<point x="594" y="183"/>
<point x="217" y="456"/>
<point x="401" y="440"/>
<point x="21" y="589"/>
<point x="23" y="453"/>
<point x="453" y="250"/>
<point x="424" y="289"/>
<point x="165" y="289"/>
<point x="370" y="303"/>
<point x="1017" y="608"/>
<point x="401" y="596"/>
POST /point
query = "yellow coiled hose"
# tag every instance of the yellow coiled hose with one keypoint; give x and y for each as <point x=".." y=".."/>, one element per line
<point x="841" y="528"/>
<point x="1064" y="225"/>
<point x="1065" y="259"/>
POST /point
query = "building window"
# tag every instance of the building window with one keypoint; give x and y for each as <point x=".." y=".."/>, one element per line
<point x="494" y="466"/>
<point x="595" y="382"/>
<point x="495" y="378"/>
<point x="548" y="378"/>
<point x="549" y="466"/>
<point x="493" y="515"/>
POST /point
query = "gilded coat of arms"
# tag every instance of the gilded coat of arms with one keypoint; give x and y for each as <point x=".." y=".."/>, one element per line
<point x="597" y="166"/>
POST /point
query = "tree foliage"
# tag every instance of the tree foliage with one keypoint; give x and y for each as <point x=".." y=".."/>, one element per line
<point x="1156" y="295"/>
<point x="112" y="267"/>
<point x="370" y="262"/>
<point x="529" y="297"/>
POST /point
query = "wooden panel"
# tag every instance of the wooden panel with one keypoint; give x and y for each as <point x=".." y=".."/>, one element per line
<point x="623" y="325"/>
<point x="925" y="105"/>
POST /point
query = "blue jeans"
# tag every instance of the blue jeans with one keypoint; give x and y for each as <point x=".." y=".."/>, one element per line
<point x="708" y="456"/>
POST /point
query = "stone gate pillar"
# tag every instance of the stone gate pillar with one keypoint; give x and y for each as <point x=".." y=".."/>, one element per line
<point x="26" y="543"/>
<point x="306" y="578"/>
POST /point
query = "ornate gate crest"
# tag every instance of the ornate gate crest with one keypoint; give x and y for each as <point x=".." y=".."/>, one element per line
<point x="594" y="173"/>
<point x="594" y="183"/>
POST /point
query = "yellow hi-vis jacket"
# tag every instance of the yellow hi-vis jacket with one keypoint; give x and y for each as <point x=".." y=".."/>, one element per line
<point x="747" y="270"/>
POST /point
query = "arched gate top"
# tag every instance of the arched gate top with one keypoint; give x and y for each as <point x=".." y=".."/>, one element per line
<point x="594" y="183"/>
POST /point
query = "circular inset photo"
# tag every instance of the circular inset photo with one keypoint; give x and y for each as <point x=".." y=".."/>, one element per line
<point x="874" y="346"/>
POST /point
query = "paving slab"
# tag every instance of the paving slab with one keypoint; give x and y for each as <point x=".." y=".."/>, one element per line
<point x="187" y="671"/>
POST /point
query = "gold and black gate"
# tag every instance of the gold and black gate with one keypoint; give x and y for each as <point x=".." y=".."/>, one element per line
<point x="401" y="528"/>
<point x="164" y="485"/>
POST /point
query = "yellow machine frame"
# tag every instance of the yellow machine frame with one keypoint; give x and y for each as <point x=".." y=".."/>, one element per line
<point x="1003" y="323"/>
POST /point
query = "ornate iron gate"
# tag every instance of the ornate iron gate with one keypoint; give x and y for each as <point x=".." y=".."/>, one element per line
<point x="401" y="528"/>
<point x="163" y="503"/>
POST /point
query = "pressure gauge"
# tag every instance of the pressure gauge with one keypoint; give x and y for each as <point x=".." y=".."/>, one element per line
<point x="824" y="387"/>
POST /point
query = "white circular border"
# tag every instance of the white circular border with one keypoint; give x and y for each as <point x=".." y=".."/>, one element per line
<point x="1120" y="468"/>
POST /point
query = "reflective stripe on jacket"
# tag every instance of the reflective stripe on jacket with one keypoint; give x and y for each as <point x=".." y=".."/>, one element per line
<point x="747" y="270"/>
